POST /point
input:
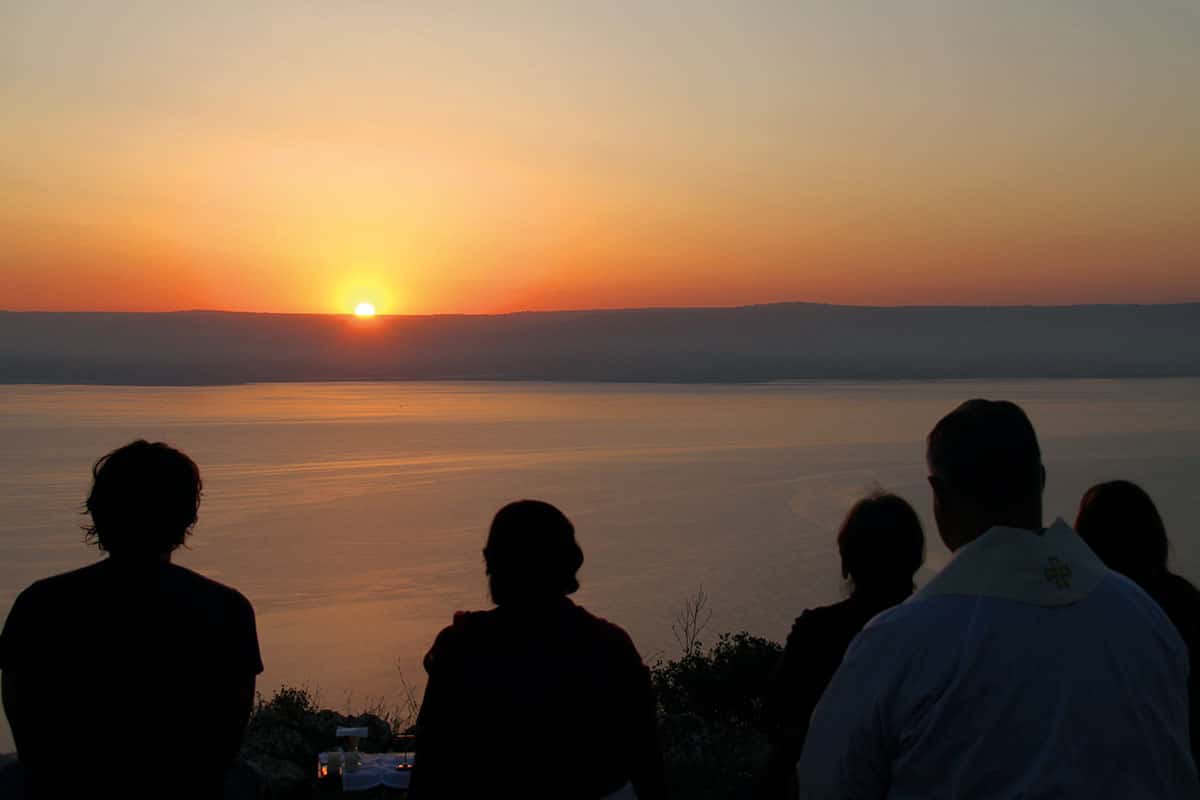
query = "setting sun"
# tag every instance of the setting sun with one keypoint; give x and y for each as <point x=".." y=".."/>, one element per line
<point x="364" y="310"/>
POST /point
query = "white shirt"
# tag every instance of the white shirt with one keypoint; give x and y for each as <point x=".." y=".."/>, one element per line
<point x="1025" y="669"/>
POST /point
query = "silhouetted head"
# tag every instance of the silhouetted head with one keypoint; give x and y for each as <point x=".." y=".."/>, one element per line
<point x="1119" y="522"/>
<point x="144" y="500"/>
<point x="985" y="469"/>
<point x="531" y="554"/>
<point x="882" y="545"/>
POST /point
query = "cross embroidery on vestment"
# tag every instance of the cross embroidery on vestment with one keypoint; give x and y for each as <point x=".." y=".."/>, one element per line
<point x="1058" y="573"/>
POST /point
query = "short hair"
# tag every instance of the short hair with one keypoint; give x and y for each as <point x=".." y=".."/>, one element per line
<point x="987" y="451"/>
<point x="1121" y="524"/>
<point x="144" y="499"/>
<point x="531" y="553"/>
<point x="881" y="543"/>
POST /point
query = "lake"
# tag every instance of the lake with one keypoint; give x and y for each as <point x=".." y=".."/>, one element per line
<point x="353" y="514"/>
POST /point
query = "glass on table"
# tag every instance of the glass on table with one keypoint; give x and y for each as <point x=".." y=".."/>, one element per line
<point x="405" y="745"/>
<point x="348" y="738"/>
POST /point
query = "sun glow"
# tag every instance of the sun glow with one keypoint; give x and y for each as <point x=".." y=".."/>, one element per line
<point x="364" y="310"/>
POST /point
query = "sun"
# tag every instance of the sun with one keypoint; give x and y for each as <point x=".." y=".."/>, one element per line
<point x="364" y="310"/>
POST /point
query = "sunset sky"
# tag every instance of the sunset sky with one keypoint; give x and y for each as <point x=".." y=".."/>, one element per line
<point x="495" y="156"/>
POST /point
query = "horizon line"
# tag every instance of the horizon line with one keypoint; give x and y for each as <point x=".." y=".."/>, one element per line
<point x="613" y="309"/>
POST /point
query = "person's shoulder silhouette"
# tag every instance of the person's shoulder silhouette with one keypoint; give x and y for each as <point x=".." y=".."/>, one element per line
<point x="537" y="671"/>
<point x="133" y="653"/>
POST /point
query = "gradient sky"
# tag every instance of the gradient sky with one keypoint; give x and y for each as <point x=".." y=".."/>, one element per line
<point x="485" y="157"/>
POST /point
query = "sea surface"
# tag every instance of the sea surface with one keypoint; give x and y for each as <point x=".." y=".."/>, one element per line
<point x="352" y="514"/>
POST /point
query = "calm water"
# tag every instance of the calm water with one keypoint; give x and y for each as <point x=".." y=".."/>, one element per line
<point x="352" y="515"/>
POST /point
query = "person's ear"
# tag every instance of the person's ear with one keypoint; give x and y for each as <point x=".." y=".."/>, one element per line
<point x="1042" y="467"/>
<point x="939" y="490"/>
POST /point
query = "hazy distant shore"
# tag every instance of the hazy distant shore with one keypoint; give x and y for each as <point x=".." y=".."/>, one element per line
<point x="745" y="344"/>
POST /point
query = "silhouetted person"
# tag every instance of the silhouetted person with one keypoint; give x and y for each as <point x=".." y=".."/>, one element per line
<point x="536" y="698"/>
<point x="1025" y="668"/>
<point x="1120" y="523"/>
<point x="882" y="546"/>
<point x="132" y="677"/>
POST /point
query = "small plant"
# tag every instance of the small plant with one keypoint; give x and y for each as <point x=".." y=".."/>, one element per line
<point x="691" y="622"/>
<point x="405" y="718"/>
<point x="726" y="685"/>
<point x="288" y="702"/>
<point x="712" y="715"/>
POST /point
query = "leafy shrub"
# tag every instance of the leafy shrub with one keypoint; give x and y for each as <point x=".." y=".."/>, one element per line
<point x="711" y="706"/>
<point x="725" y="686"/>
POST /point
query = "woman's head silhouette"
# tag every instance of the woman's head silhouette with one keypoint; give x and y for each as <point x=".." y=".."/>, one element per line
<point x="531" y="554"/>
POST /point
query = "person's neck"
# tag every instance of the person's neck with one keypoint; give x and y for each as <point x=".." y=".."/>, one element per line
<point x="886" y="595"/>
<point x="1026" y="519"/>
<point x="139" y="559"/>
<point x="534" y="606"/>
<point x="1033" y="524"/>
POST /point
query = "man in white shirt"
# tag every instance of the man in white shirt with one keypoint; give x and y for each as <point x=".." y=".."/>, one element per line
<point x="1025" y="669"/>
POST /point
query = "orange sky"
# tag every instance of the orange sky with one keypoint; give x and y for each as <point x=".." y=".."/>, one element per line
<point x="305" y="157"/>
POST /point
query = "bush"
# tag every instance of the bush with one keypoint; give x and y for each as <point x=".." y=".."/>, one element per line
<point x="725" y="686"/>
<point x="712" y="714"/>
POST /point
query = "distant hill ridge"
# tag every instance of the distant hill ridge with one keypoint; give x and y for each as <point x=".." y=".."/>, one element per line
<point x="748" y="343"/>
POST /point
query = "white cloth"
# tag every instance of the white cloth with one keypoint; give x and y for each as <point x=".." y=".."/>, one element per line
<point x="1026" y="669"/>
<point x="374" y="769"/>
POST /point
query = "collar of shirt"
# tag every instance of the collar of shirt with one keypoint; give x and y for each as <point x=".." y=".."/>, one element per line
<point x="1050" y="568"/>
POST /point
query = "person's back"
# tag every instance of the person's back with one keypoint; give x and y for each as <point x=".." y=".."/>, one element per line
<point x="137" y="672"/>
<point x="1026" y="668"/>
<point x="1180" y="600"/>
<point x="882" y="545"/>
<point x="547" y="703"/>
<point x="536" y="698"/>
<point x="131" y="665"/>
